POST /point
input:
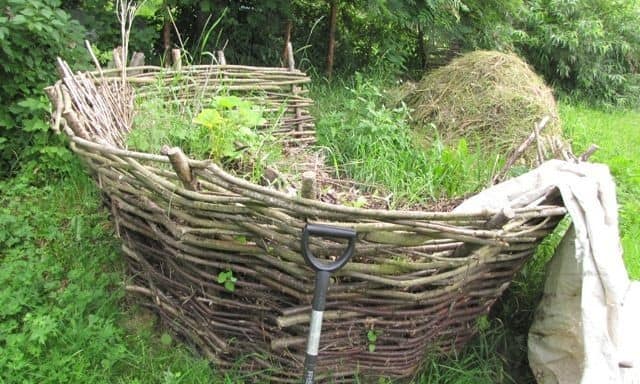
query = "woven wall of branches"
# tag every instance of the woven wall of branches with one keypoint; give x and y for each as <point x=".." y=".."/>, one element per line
<point x="419" y="280"/>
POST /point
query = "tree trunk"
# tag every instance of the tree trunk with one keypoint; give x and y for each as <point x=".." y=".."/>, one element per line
<point x="422" y="52"/>
<point x="332" y="37"/>
<point x="166" y="32"/>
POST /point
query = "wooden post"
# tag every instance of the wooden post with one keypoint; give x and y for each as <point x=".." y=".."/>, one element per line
<point x="501" y="218"/>
<point x="287" y="40"/>
<point x="539" y="145"/>
<point x="137" y="60"/>
<point x="87" y="44"/>
<point x="295" y="89"/>
<point x="308" y="189"/>
<point x="587" y="154"/>
<point x="291" y="61"/>
<point x="520" y="150"/>
<point x="176" y="59"/>
<point x="221" y="59"/>
<point x="117" y="58"/>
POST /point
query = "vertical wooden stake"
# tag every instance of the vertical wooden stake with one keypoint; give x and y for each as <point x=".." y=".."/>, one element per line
<point x="137" y="60"/>
<point x="308" y="189"/>
<point x="587" y="154"/>
<point x="290" y="59"/>
<point x="117" y="58"/>
<point x="176" y="59"/>
<point x="56" y="102"/>
<point x="287" y="40"/>
<point x="221" y="59"/>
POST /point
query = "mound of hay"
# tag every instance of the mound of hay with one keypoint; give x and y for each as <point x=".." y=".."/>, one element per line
<point x="491" y="99"/>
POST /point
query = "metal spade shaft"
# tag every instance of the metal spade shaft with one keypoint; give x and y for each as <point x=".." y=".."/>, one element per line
<point x="323" y="272"/>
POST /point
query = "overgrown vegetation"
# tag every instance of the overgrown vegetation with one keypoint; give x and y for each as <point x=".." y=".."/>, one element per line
<point x="374" y="144"/>
<point x="228" y="129"/>
<point x="216" y="131"/>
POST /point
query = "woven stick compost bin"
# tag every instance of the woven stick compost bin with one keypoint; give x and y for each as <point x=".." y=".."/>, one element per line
<point x="418" y="280"/>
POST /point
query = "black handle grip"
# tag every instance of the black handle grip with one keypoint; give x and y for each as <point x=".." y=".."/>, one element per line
<point x="327" y="231"/>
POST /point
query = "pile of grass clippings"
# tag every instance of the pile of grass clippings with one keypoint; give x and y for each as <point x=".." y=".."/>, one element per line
<point x="491" y="99"/>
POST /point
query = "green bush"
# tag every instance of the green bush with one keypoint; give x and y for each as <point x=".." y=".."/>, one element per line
<point x="589" y="49"/>
<point x="33" y="33"/>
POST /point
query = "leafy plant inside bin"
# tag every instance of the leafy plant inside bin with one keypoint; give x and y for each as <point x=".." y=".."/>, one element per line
<point x="228" y="122"/>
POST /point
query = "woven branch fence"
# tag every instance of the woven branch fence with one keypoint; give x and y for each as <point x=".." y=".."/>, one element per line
<point x="418" y="280"/>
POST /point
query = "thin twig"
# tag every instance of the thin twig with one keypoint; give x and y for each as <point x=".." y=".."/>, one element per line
<point x="520" y="150"/>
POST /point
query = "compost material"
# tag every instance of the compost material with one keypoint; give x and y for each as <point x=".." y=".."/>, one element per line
<point x="491" y="99"/>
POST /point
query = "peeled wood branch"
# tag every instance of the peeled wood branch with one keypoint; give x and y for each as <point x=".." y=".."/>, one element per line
<point x="308" y="190"/>
<point x="587" y="154"/>
<point x="176" y="59"/>
<point x="221" y="59"/>
<point x="290" y="60"/>
<point x="520" y="150"/>
<point x="180" y="163"/>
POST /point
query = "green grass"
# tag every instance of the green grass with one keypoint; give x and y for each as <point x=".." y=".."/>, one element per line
<point x="63" y="316"/>
<point x="617" y="133"/>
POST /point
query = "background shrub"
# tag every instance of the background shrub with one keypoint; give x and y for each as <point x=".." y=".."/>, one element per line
<point x="589" y="49"/>
<point x="33" y="33"/>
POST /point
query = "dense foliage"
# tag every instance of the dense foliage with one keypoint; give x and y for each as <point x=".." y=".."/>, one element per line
<point x="590" y="49"/>
<point x="33" y="33"/>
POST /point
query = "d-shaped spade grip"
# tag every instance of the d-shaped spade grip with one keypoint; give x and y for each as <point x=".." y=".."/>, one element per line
<point x="327" y="231"/>
<point x="323" y="271"/>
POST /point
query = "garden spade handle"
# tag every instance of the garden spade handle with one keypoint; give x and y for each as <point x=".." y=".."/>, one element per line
<point x="323" y="271"/>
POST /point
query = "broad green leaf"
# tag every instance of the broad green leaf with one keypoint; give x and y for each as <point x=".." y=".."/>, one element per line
<point x="209" y="118"/>
<point x="230" y="286"/>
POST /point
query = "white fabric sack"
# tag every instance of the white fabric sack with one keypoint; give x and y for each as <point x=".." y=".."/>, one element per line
<point x="587" y="326"/>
